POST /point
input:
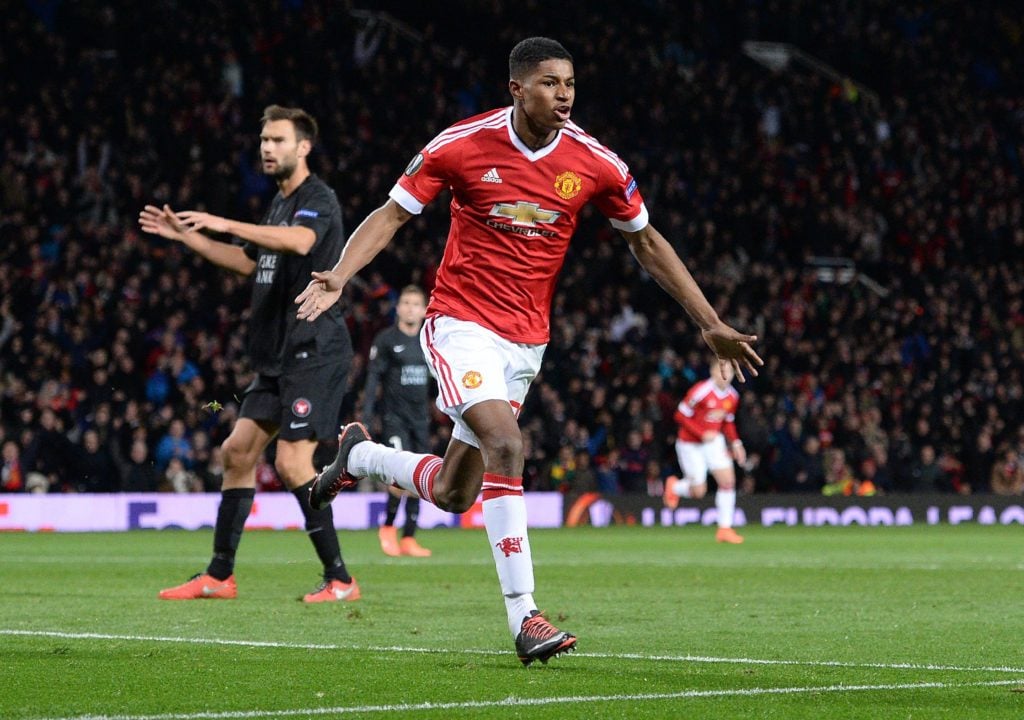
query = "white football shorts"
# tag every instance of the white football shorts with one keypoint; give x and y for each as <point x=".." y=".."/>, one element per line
<point x="696" y="458"/>
<point x="472" y="364"/>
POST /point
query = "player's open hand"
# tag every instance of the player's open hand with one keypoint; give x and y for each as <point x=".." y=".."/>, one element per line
<point x="739" y="453"/>
<point x="733" y="348"/>
<point x="162" y="222"/>
<point x="196" y="221"/>
<point x="321" y="293"/>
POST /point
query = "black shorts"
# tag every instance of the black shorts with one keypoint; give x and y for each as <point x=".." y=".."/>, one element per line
<point x="304" y="404"/>
<point x="406" y="436"/>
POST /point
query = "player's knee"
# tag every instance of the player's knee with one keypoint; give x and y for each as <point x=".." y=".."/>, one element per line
<point x="698" y="491"/>
<point x="288" y="472"/>
<point x="236" y="455"/>
<point x="503" y="452"/>
<point x="454" y="499"/>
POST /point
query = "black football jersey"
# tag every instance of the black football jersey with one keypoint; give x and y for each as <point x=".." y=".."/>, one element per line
<point x="278" y="340"/>
<point x="397" y="366"/>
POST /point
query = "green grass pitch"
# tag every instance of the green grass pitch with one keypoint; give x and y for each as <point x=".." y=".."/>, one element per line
<point x="922" y="622"/>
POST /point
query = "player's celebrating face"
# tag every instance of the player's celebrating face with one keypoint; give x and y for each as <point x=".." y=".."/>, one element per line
<point x="281" y="148"/>
<point x="543" y="86"/>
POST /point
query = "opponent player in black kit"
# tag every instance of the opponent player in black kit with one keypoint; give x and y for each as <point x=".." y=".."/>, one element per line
<point x="301" y="367"/>
<point x="398" y="366"/>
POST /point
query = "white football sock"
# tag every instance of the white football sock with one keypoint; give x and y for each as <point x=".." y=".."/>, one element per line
<point x="725" y="501"/>
<point x="414" y="472"/>
<point x="518" y="607"/>
<point x="681" y="487"/>
<point x="504" y="512"/>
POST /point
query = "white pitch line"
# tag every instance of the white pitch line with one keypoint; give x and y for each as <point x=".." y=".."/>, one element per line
<point x="524" y="702"/>
<point x="471" y="651"/>
<point x="658" y="562"/>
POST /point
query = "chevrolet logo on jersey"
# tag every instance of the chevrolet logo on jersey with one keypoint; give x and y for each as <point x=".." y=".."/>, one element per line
<point x="526" y="214"/>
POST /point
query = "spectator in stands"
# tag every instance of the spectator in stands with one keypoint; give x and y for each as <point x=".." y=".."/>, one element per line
<point x="839" y="478"/>
<point x="179" y="479"/>
<point x="138" y="472"/>
<point x="608" y="474"/>
<point x="561" y="475"/>
<point x="94" y="468"/>
<point x="586" y="479"/>
<point x="810" y="469"/>
<point x="174" y="445"/>
<point x="633" y="464"/>
<point x="1008" y="474"/>
<point x="12" y="478"/>
<point x="927" y="475"/>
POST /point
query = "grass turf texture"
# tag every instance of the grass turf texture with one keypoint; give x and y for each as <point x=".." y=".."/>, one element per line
<point x="671" y="624"/>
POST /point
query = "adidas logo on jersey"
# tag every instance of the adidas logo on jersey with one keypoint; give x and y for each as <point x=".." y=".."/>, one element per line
<point x="491" y="176"/>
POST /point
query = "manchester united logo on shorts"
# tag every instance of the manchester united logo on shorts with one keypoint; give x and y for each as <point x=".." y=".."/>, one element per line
<point x="568" y="185"/>
<point x="301" y="407"/>
<point x="472" y="379"/>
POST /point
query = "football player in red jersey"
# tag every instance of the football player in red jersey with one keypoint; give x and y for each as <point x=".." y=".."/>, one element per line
<point x="519" y="177"/>
<point x="707" y="418"/>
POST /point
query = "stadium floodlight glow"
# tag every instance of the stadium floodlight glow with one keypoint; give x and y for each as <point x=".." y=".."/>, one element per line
<point x="774" y="56"/>
<point x="779" y="57"/>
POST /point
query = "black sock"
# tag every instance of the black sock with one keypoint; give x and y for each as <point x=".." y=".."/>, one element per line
<point x="235" y="505"/>
<point x="393" y="503"/>
<point x="412" y="514"/>
<point x="320" y="528"/>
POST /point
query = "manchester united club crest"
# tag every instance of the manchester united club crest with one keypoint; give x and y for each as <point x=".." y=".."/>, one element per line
<point x="568" y="185"/>
<point x="472" y="380"/>
<point x="301" y="407"/>
<point x="509" y="545"/>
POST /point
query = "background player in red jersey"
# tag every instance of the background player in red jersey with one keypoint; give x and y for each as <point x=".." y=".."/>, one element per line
<point x="519" y="177"/>
<point x="706" y="419"/>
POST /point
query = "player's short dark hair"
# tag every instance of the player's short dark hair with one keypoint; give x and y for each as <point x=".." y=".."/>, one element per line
<point x="305" y="126"/>
<point x="413" y="290"/>
<point x="526" y="55"/>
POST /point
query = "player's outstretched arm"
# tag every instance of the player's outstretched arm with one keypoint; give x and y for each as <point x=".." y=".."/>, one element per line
<point x="656" y="256"/>
<point x="165" y="223"/>
<point x="372" y="236"/>
<point x="294" y="239"/>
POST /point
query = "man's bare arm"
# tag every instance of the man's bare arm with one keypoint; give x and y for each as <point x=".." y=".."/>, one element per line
<point x="163" y="222"/>
<point x="293" y="239"/>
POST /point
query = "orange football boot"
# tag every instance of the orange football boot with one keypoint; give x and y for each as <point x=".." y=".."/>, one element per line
<point x="412" y="548"/>
<point x="201" y="587"/>
<point x="728" y="535"/>
<point x="670" y="497"/>
<point x="333" y="591"/>
<point x="388" y="537"/>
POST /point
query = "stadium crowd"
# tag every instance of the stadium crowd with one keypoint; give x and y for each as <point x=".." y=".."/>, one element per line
<point x="121" y="356"/>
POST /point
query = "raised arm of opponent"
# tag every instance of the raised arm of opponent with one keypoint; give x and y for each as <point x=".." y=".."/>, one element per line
<point x="165" y="223"/>
<point x="285" y="238"/>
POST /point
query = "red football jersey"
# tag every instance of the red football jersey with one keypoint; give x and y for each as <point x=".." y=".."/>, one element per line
<point x="513" y="211"/>
<point x="706" y="408"/>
